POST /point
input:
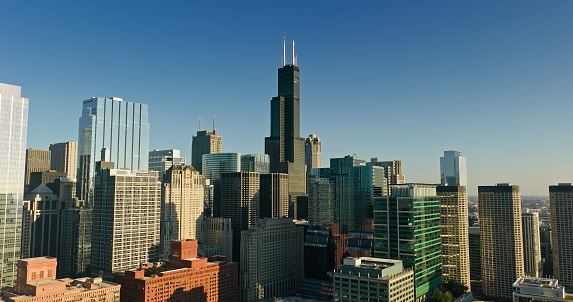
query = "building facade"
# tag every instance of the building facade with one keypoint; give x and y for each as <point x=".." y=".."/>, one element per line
<point x="121" y="127"/>
<point x="539" y="289"/>
<point x="162" y="160"/>
<point x="475" y="254"/>
<point x="214" y="165"/>
<point x="321" y="208"/>
<point x="501" y="239"/>
<point x="453" y="171"/>
<point x="561" y="203"/>
<point x="273" y="195"/>
<point x="126" y="220"/>
<point x="64" y="158"/>
<point x="407" y="228"/>
<point x="185" y="277"/>
<point x="531" y="245"/>
<point x="13" y="131"/>
<point x="182" y="205"/>
<point x="454" y="234"/>
<point x="215" y="232"/>
<point x="312" y="152"/>
<point x="255" y="163"/>
<point x="37" y="160"/>
<point x="373" y="279"/>
<point x="205" y="142"/>
<point x="272" y="259"/>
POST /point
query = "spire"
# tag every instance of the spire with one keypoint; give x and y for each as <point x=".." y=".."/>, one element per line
<point x="293" y="58"/>
<point x="214" y="123"/>
<point x="284" y="50"/>
<point x="200" y="124"/>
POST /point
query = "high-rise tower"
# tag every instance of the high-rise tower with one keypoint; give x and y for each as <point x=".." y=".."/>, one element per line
<point x="284" y="146"/>
<point x="453" y="170"/>
<point x="561" y="204"/>
<point x="205" y="142"/>
<point x="13" y="129"/>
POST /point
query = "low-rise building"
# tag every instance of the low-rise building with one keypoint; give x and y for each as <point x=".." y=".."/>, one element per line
<point x="539" y="289"/>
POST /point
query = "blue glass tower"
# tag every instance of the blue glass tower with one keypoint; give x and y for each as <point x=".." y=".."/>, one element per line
<point x="122" y="127"/>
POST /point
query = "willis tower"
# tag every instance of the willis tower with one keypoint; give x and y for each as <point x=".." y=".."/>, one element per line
<point x="284" y="146"/>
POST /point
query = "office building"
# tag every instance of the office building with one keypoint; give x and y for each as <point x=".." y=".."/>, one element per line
<point x="312" y="152"/>
<point x="392" y="171"/>
<point x="215" y="233"/>
<point x="255" y="163"/>
<point x="413" y="211"/>
<point x="561" y="204"/>
<point x="13" y="130"/>
<point x="474" y="252"/>
<point x="162" y="160"/>
<point x="182" y="205"/>
<point x="273" y="196"/>
<point x="49" y="178"/>
<point x="546" y="250"/>
<point x="64" y="158"/>
<point x="185" y="277"/>
<point x="205" y="142"/>
<point x="373" y="279"/>
<point x="37" y="282"/>
<point x="501" y="239"/>
<point x="454" y="234"/>
<point x="272" y="259"/>
<point x="121" y="127"/>
<point x="539" y="289"/>
<point x="321" y="208"/>
<point x="284" y="146"/>
<point x="360" y="244"/>
<point x="213" y="166"/>
<point x="453" y="170"/>
<point x="41" y="223"/>
<point x="126" y="220"/>
<point x="240" y="201"/>
<point x="37" y="160"/>
<point x="531" y="245"/>
<point x="323" y="251"/>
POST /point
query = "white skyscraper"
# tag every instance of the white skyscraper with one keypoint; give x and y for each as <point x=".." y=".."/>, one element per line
<point x="531" y="244"/>
<point x="13" y="130"/>
<point x="453" y="169"/>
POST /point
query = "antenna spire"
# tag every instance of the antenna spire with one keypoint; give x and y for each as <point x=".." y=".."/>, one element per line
<point x="293" y="58"/>
<point x="284" y="50"/>
<point x="214" y="123"/>
<point x="200" y="122"/>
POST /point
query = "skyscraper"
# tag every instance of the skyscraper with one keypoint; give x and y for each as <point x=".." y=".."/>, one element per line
<point x="214" y="165"/>
<point x="312" y="150"/>
<point x="453" y="169"/>
<point x="112" y="123"/>
<point x="392" y="171"/>
<point x="454" y="234"/>
<point x="64" y="158"/>
<point x="273" y="196"/>
<point x="205" y="142"/>
<point x="561" y="204"/>
<point x="321" y="208"/>
<point x="13" y="130"/>
<point x="182" y="201"/>
<point x="162" y="160"/>
<point x="284" y="146"/>
<point x="37" y="160"/>
<point x="407" y="228"/>
<point x="255" y="163"/>
<point x="501" y="239"/>
<point x="531" y="244"/>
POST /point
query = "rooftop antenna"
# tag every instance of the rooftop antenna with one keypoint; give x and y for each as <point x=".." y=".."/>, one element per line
<point x="214" y="123"/>
<point x="284" y="50"/>
<point x="200" y="122"/>
<point x="293" y="59"/>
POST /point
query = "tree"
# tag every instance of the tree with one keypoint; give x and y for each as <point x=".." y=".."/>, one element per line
<point x="457" y="289"/>
<point x="439" y="296"/>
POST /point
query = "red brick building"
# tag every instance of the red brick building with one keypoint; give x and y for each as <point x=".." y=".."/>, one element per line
<point x="185" y="277"/>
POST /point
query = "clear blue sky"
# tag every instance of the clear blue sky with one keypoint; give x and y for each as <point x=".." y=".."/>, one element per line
<point x="388" y="79"/>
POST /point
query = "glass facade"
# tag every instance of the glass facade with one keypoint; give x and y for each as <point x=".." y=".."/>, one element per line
<point x="214" y="165"/>
<point x="13" y="130"/>
<point x="255" y="163"/>
<point x="111" y="123"/>
<point x="162" y="160"/>
<point x="407" y="228"/>
<point x="453" y="170"/>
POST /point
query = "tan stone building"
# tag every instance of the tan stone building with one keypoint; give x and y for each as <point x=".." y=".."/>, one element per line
<point x="64" y="158"/>
<point x="561" y="203"/>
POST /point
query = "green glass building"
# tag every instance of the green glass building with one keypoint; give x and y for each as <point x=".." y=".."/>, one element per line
<point x="407" y="228"/>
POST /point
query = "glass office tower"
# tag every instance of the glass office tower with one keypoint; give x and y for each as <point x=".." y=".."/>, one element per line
<point x="111" y="123"/>
<point x="453" y="170"/>
<point x="13" y="130"/>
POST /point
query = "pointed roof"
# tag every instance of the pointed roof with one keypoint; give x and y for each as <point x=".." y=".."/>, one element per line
<point x="42" y="188"/>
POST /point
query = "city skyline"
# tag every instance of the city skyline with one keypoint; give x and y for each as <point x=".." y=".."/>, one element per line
<point x="489" y="80"/>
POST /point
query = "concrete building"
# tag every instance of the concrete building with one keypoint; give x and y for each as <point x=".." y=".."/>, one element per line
<point x="392" y="171"/>
<point x="373" y="279"/>
<point x="41" y="223"/>
<point x="182" y="205"/>
<point x="205" y="142"/>
<point x="215" y="232"/>
<point x="531" y="245"/>
<point x="64" y="158"/>
<point x="125" y="127"/>
<point x="255" y="163"/>
<point x="475" y="254"/>
<point x="561" y="203"/>
<point x="37" y="282"/>
<point x="13" y="131"/>
<point x="539" y="289"/>
<point x="214" y="165"/>
<point x="413" y="211"/>
<point x="273" y="196"/>
<point x="162" y="160"/>
<point x="453" y="171"/>
<point x="126" y="220"/>
<point x="272" y="259"/>
<point x="501" y="239"/>
<point x="312" y="152"/>
<point x="240" y="201"/>
<point x="185" y="277"/>
<point x="284" y="146"/>
<point x="37" y="160"/>
<point x="454" y="234"/>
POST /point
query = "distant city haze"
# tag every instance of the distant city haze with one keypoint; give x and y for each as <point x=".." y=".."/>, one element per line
<point x="393" y="80"/>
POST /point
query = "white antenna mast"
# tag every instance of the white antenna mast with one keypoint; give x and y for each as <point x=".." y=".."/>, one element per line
<point x="200" y="126"/>
<point x="214" y="123"/>
<point x="284" y="50"/>
<point x="293" y="60"/>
